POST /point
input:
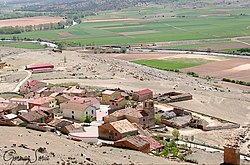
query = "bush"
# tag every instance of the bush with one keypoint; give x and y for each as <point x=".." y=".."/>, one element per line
<point x="193" y="74"/>
<point x="176" y="133"/>
<point x="86" y="119"/>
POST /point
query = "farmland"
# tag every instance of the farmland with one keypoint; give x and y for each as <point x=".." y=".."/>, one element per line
<point x="152" y="24"/>
<point x="24" y="45"/>
<point x="29" y="21"/>
<point x="173" y="64"/>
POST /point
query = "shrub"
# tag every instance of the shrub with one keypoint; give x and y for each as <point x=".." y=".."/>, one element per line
<point x="176" y="133"/>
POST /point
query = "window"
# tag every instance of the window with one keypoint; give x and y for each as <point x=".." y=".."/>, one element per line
<point x="86" y="113"/>
<point x="73" y="112"/>
<point x="115" y="134"/>
<point x="92" y="111"/>
<point x="143" y="119"/>
<point x="73" y="117"/>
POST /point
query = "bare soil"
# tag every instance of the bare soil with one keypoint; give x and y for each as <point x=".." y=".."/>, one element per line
<point x="29" y="21"/>
<point x="140" y="56"/>
<point x="60" y="150"/>
<point x="235" y="69"/>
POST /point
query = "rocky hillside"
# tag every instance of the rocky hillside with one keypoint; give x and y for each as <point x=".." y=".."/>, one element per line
<point x="97" y="5"/>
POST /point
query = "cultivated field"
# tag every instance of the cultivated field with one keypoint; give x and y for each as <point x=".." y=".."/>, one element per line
<point x="172" y="64"/>
<point x="29" y="21"/>
<point x="235" y="69"/>
<point x="204" y="65"/>
<point x="154" y="24"/>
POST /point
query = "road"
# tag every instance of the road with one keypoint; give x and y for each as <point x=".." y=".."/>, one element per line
<point x="186" y="52"/>
<point x="22" y="82"/>
<point x="209" y="149"/>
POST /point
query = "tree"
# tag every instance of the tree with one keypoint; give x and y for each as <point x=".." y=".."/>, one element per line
<point x="157" y="119"/>
<point x="176" y="133"/>
<point x="86" y="119"/>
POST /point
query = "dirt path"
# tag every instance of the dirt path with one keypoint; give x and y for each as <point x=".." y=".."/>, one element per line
<point x="29" y="74"/>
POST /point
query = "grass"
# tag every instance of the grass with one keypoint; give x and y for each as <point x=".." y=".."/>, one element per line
<point x="24" y="45"/>
<point x="200" y="46"/>
<point x="173" y="64"/>
<point x="190" y="27"/>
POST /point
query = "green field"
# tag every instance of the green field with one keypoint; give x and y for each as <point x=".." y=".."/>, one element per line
<point x="159" y="23"/>
<point x="172" y="64"/>
<point x="24" y="45"/>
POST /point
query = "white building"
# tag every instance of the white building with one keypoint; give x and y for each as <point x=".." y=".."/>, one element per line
<point x="77" y="111"/>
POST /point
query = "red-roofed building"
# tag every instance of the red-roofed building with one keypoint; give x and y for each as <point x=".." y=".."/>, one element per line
<point x="40" y="68"/>
<point x="32" y="86"/>
<point x="117" y="103"/>
<point x="142" y="95"/>
<point x="74" y="91"/>
<point x="108" y="95"/>
<point x="134" y="143"/>
<point x="117" y="130"/>
<point x="84" y="100"/>
<point x="48" y="102"/>
<point x="35" y="116"/>
<point x="154" y="145"/>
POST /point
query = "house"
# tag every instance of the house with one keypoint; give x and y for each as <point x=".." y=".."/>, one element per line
<point x="121" y="102"/>
<point x="154" y="144"/>
<point x="60" y="97"/>
<point x="177" y="118"/>
<point x="142" y="95"/>
<point x="32" y="86"/>
<point x="72" y="128"/>
<point x="77" y="111"/>
<point x="40" y="68"/>
<point x="85" y="100"/>
<point x="48" y="102"/>
<point x="74" y="91"/>
<point x="134" y="143"/>
<point x="8" y="108"/>
<point x="10" y="120"/>
<point x="21" y="102"/>
<point x="117" y="130"/>
<point x="34" y="116"/>
<point x="143" y="116"/>
<point x="108" y="95"/>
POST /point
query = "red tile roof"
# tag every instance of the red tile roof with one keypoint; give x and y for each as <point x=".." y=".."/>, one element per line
<point x="32" y="116"/>
<point x="33" y="82"/>
<point x="123" y="126"/>
<point x="42" y="100"/>
<point x="144" y="92"/>
<point x="120" y="99"/>
<point x="154" y="145"/>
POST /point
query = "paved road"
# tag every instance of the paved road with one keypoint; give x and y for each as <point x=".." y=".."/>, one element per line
<point x="22" y="82"/>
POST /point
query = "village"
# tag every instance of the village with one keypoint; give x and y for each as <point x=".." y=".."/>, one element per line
<point x="139" y="120"/>
<point x="84" y="99"/>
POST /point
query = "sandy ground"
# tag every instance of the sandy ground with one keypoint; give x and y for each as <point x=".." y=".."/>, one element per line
<point x="29" y="21"/>
<point x="211" y="97"/>
<point x="59" y="150"/>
